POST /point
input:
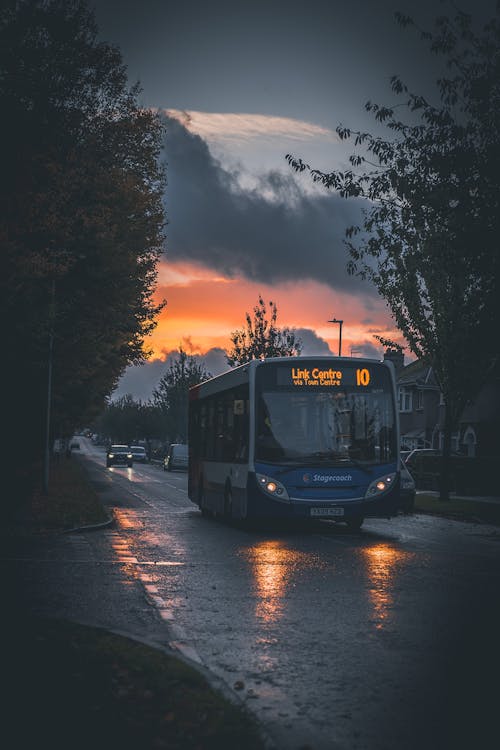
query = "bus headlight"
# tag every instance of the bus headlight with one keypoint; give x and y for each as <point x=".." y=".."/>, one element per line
<point x="272" y="487"/>
<point x="380" y="486"/>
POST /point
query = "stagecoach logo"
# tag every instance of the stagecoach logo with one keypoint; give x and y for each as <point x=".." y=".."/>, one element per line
<point x="327" y="478"/>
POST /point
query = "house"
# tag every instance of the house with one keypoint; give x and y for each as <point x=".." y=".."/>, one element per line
<point x="479" y="433"/>
<point x="421" y="412"/>
<point x="418" y="397"/>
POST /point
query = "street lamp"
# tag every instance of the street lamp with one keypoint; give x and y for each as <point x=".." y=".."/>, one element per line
<point x="334" y="320"/>
<point x="46" y="462"/>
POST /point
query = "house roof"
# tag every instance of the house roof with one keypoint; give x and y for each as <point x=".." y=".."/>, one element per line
<point x="417" y="373"/>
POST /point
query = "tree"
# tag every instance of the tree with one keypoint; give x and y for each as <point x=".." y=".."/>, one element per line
<point x="128" y="421"/>
<point x="430" y="235"/>
<point x="262" y="338"/>
<point x="171" y="395"/>
<point x="82" y="226"/>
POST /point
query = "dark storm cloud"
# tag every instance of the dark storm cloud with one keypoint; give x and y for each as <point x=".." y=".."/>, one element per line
<point x="274" y="232"/>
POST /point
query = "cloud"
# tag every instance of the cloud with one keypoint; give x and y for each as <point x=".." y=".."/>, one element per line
<point x="312" y="344"/>
<point x="139" y="381"/>
<point x="273" y="233"/>
<point x="238" y="127"/>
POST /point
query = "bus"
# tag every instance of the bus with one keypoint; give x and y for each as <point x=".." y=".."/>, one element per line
<point x="296" y="438"/>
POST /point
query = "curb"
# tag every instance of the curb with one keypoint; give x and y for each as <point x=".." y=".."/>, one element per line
<point x="93" y="526"/>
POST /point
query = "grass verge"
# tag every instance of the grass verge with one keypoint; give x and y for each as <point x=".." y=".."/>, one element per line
<point x="459" y="508"/>
<point x="71" y="502"/>
<point x="82" y="687"/>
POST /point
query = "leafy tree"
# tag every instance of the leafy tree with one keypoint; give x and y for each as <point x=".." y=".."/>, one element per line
<point x="430" y="235"/>
<point x="128" y="421"/>
<point x="171" y="395"/>
<point x="82" y="225"/>
<point x="262" y="338"/>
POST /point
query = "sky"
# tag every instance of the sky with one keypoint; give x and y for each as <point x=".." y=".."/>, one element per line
<point x="239" y="85"/>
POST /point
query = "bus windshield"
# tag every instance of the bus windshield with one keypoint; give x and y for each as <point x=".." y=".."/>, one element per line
<point x="320" y="426"/>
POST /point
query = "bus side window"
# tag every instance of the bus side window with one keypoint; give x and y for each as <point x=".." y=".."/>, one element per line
<point x="241" y="409"/>
<point x="241" y="426"/>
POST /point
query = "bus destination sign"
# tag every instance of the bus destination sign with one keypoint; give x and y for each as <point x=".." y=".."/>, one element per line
<point x="315" y="377"/>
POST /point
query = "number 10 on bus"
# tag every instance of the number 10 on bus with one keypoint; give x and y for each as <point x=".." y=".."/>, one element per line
<point x="362" y="376"/>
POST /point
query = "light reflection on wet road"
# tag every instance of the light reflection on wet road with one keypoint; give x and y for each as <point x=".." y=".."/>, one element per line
<point x="334" y="640"/>
<point x="383" y="564"/>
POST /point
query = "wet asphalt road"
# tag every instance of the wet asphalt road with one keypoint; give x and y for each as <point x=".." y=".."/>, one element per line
<point x="388" y="638"/>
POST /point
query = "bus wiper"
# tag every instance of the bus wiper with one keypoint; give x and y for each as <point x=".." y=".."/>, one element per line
<point x="358" y="464"/>
<point x="312" y="458"/>
<point x="308" y="460"/>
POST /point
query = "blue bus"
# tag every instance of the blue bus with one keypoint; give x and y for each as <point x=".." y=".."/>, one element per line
<point x="296" y="438"/>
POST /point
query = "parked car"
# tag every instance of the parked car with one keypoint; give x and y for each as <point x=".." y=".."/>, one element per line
<point x="407" y="490"/>
<point x="139" y="454"/>
<point x="425" y="465"/>
<point x="119" y="455"/>
<point x="176" y="458"/>
<point x="416" y="453"/>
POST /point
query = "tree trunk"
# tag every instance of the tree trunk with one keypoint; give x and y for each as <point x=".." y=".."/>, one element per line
<point x="445" y="477"/>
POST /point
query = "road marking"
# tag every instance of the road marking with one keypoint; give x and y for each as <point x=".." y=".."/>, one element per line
<point x="175" y="487"/>
<point x="179" y="639"/>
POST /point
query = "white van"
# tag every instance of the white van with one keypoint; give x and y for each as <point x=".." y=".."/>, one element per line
<point x="176" y="458"/>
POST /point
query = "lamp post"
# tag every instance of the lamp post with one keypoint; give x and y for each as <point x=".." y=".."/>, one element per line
<point x="46" y="462"/>
<point x="334" y="320"/>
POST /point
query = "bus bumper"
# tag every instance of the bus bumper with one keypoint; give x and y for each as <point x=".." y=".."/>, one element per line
<point x="334" y="509"/>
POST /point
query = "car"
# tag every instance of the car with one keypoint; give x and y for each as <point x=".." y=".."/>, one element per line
<point x="416" y="454"/>
<point x="139" y="454"/>
<point x="119" y="455"/>
<point x="176" y="458"/>
<point x="407" y="490"/>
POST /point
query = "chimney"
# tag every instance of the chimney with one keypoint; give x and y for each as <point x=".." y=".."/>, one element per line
<point x="397" y="358"/>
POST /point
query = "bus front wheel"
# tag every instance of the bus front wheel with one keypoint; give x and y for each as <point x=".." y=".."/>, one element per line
<point x="205" y="512"/>
<point x="228" y="503"/>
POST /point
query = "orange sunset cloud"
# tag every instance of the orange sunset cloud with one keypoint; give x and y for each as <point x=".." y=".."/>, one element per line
<point x="204" y="307"/>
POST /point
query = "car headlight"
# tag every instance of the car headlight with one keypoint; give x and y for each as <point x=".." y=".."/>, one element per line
<point x="272" y="487"/>
<point x="380" y="486"/>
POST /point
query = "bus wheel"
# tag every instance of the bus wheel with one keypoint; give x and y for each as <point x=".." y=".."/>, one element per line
<point x="205" y="512"/>
<point x="228" y="503"/>
<point x="354" y="524"/>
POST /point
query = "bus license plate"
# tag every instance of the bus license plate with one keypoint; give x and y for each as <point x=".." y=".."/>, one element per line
<point x="317" y="512"/>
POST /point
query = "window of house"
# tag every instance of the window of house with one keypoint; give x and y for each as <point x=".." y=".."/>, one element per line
<point x="405" y="399"/>
<point x="420" y="399"/>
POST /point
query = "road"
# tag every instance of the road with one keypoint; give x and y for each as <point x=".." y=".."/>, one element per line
<point x="382" y="639"/>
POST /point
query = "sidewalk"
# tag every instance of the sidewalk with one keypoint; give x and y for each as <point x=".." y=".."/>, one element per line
<point x="89" y="660"/>
<point x="454" y="496"/>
